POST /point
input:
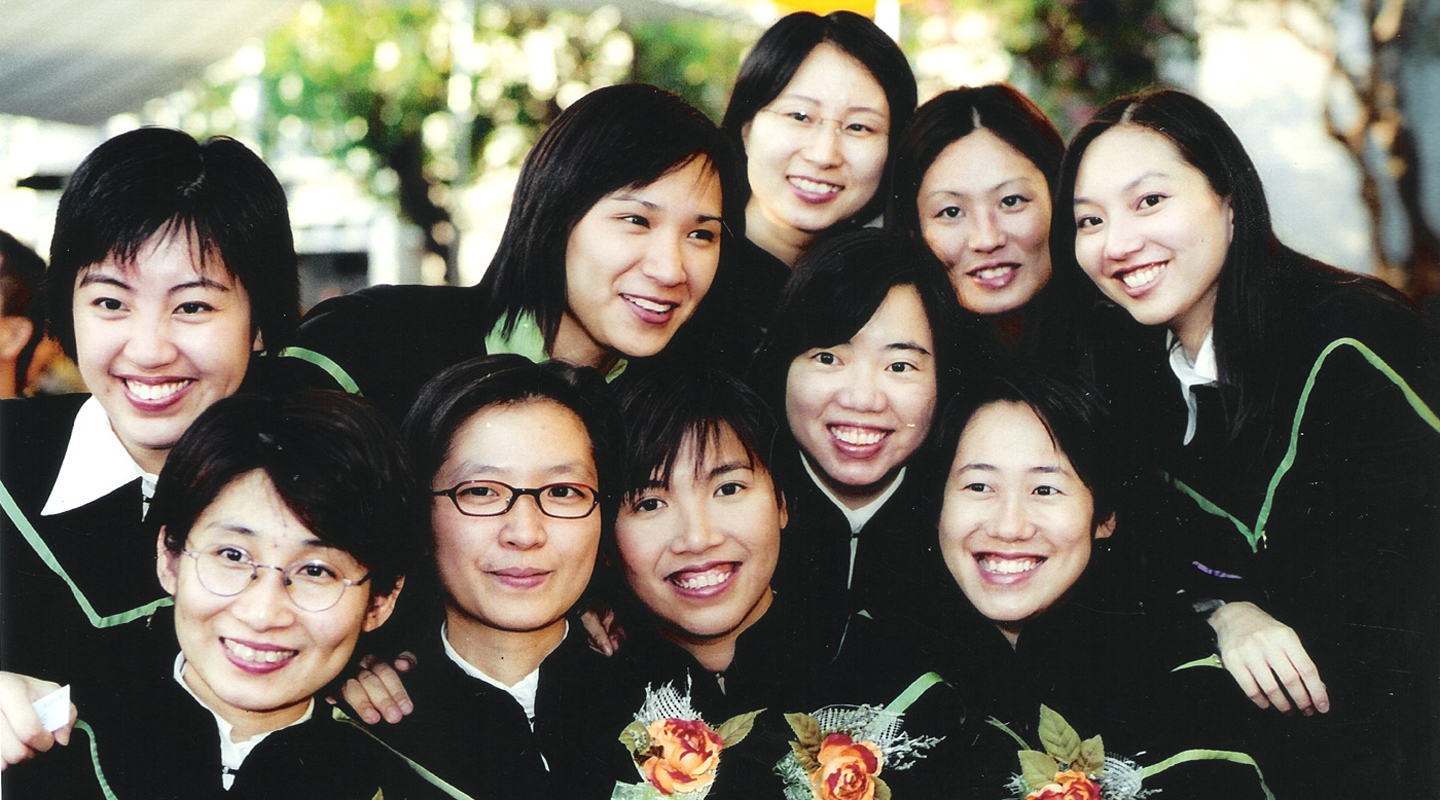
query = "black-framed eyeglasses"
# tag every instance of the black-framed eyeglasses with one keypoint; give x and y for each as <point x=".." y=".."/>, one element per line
<point x="227" y="570"/>
<point x="493" y="498"/>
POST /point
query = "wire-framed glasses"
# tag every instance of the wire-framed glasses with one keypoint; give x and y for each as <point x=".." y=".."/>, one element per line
<point x="227" y="570"/>
<point x="801" y="121"/>
<point x="493" y="498"/>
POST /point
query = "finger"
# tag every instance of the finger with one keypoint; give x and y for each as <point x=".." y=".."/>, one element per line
<point x="1246" y="682"/>
<point x="378" y="692"/>
<point x="1265" y="677"/>
<point x="406" y="661"/>
<point x="62" y="734"/>
<point x="12" y="751"/>
<point x="394" y="688"/>
<point x="599" y="639"/>
<point x="1308" y="675"/>
<point x="369" y="662"/>
<point x="359" y="701"/>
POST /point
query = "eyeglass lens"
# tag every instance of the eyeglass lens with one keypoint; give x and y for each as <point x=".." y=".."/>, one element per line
<point x="227" y="570"/>
<point x="490" y="498"/>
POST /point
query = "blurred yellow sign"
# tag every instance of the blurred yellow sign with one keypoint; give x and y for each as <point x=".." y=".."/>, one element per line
<point x="866" y="7"/>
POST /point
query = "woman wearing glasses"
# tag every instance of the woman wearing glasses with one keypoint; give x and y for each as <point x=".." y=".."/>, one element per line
<point x="284" y="529"/>
<point x="508" y="699"/>
<point x="817" y="110"/>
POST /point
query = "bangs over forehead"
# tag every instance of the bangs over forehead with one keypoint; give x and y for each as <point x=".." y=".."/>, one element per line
<point x="665" y="412"/>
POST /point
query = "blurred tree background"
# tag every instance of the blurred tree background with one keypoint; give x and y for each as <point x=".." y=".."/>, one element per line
<point x="419" y="99"/>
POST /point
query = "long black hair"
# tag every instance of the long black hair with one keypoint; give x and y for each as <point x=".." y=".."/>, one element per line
<point x="618" y="136"/>
<point x="1265" y="288"/>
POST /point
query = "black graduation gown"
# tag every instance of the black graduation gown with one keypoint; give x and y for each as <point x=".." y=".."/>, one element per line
<point x="1348" y="558"/>
<point x="898" y="568"/>
<point x="391" y="340"/>
<point x="153" y="740"/>
<point x="103" y="547"/>
<point x="1105" y="665"/>
<point x="476" y="736"/>
<point x="730" y="322"/>
<point x="786" y="663"/>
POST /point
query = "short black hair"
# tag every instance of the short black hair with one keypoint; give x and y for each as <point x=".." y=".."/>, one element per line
<point x="463" y="390"/>
<point x="780" y="51"/>
<point x="161" y="181"/>
<point x="839" y="284"/>
<point x="612" y="138"/>
<point x="21" y="272"/>
<point x="667" y="408"/>
<point x="951" y="116"/>
<point x="1073" y="412"/>
<point x="334" y="460"/>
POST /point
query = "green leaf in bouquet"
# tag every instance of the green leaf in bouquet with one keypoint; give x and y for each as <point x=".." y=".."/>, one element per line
<point x="882" y="790"/>
<point x="807" y="730"/>
<point x="1092" y="756"/>
<point x="735" y="729"/>
<point x="634" y="737"/>
<point x="1037" y="769"/>
<point x="1057" y="737"/>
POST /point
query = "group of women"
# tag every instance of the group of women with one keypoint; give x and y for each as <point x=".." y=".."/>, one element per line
<point x="1071" y="427"/>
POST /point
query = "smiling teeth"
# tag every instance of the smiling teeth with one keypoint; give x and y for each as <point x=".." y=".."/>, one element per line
<point x="814" y="187"/>
<point x="857" y="436"/>
<point x="154" y="391"/>
<point x="261" y="656"/>
<point x="703" y="580"/>
<point x="650" y="305"/>
<point x="1140" y="277"/>
<point x="992" y="272"/>
<point x="1009" y="566"/>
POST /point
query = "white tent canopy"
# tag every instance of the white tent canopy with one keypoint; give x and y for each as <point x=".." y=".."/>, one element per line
<point x="83" y="61"/>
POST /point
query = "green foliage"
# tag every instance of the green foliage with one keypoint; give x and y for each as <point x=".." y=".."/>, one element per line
<point x="696" y="58"/>
<point x="1036" y="768"/>
<point x="735" y="729"/>
<point x="1072" y="55"/>
<point x="1057" y="737"/>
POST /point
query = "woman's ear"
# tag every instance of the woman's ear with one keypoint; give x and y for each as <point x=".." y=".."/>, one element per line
<point x="166" y="567"/>
<point x="382" y="606"/>
<point x="258" y="345"/>
<point x="1104" y="529"/>
<point x="784" y="510"/>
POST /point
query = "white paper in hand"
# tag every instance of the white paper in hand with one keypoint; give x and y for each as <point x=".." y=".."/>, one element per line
<point x="54" y="709"/>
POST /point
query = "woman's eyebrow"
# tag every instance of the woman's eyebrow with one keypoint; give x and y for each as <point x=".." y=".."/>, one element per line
<point x="908" y="346"/>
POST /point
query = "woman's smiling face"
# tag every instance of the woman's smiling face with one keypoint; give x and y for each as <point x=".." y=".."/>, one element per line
<point x="521" y="570"/>
<point x="860" y="409"/>
<point x="637" y="265"/>
<point x="159" y="339"/>
<point x="255" y="657"/>
<point x="700" y="550"/>
<point x="985" y="212"/>
<point x="1150" y="230"/>
<point x="806" y="178"/>
<point x="1017" y="522"/>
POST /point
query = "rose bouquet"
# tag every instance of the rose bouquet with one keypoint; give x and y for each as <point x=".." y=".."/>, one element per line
<point x="839" y="752"/>
<point x="1071" y="769"/>
<point x="675" y="752"/>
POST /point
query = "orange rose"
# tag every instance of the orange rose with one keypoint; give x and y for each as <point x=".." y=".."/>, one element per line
<point x="1068" y="785"/>
<point x="847" y="769"/>
<point x="683" y="757"/>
